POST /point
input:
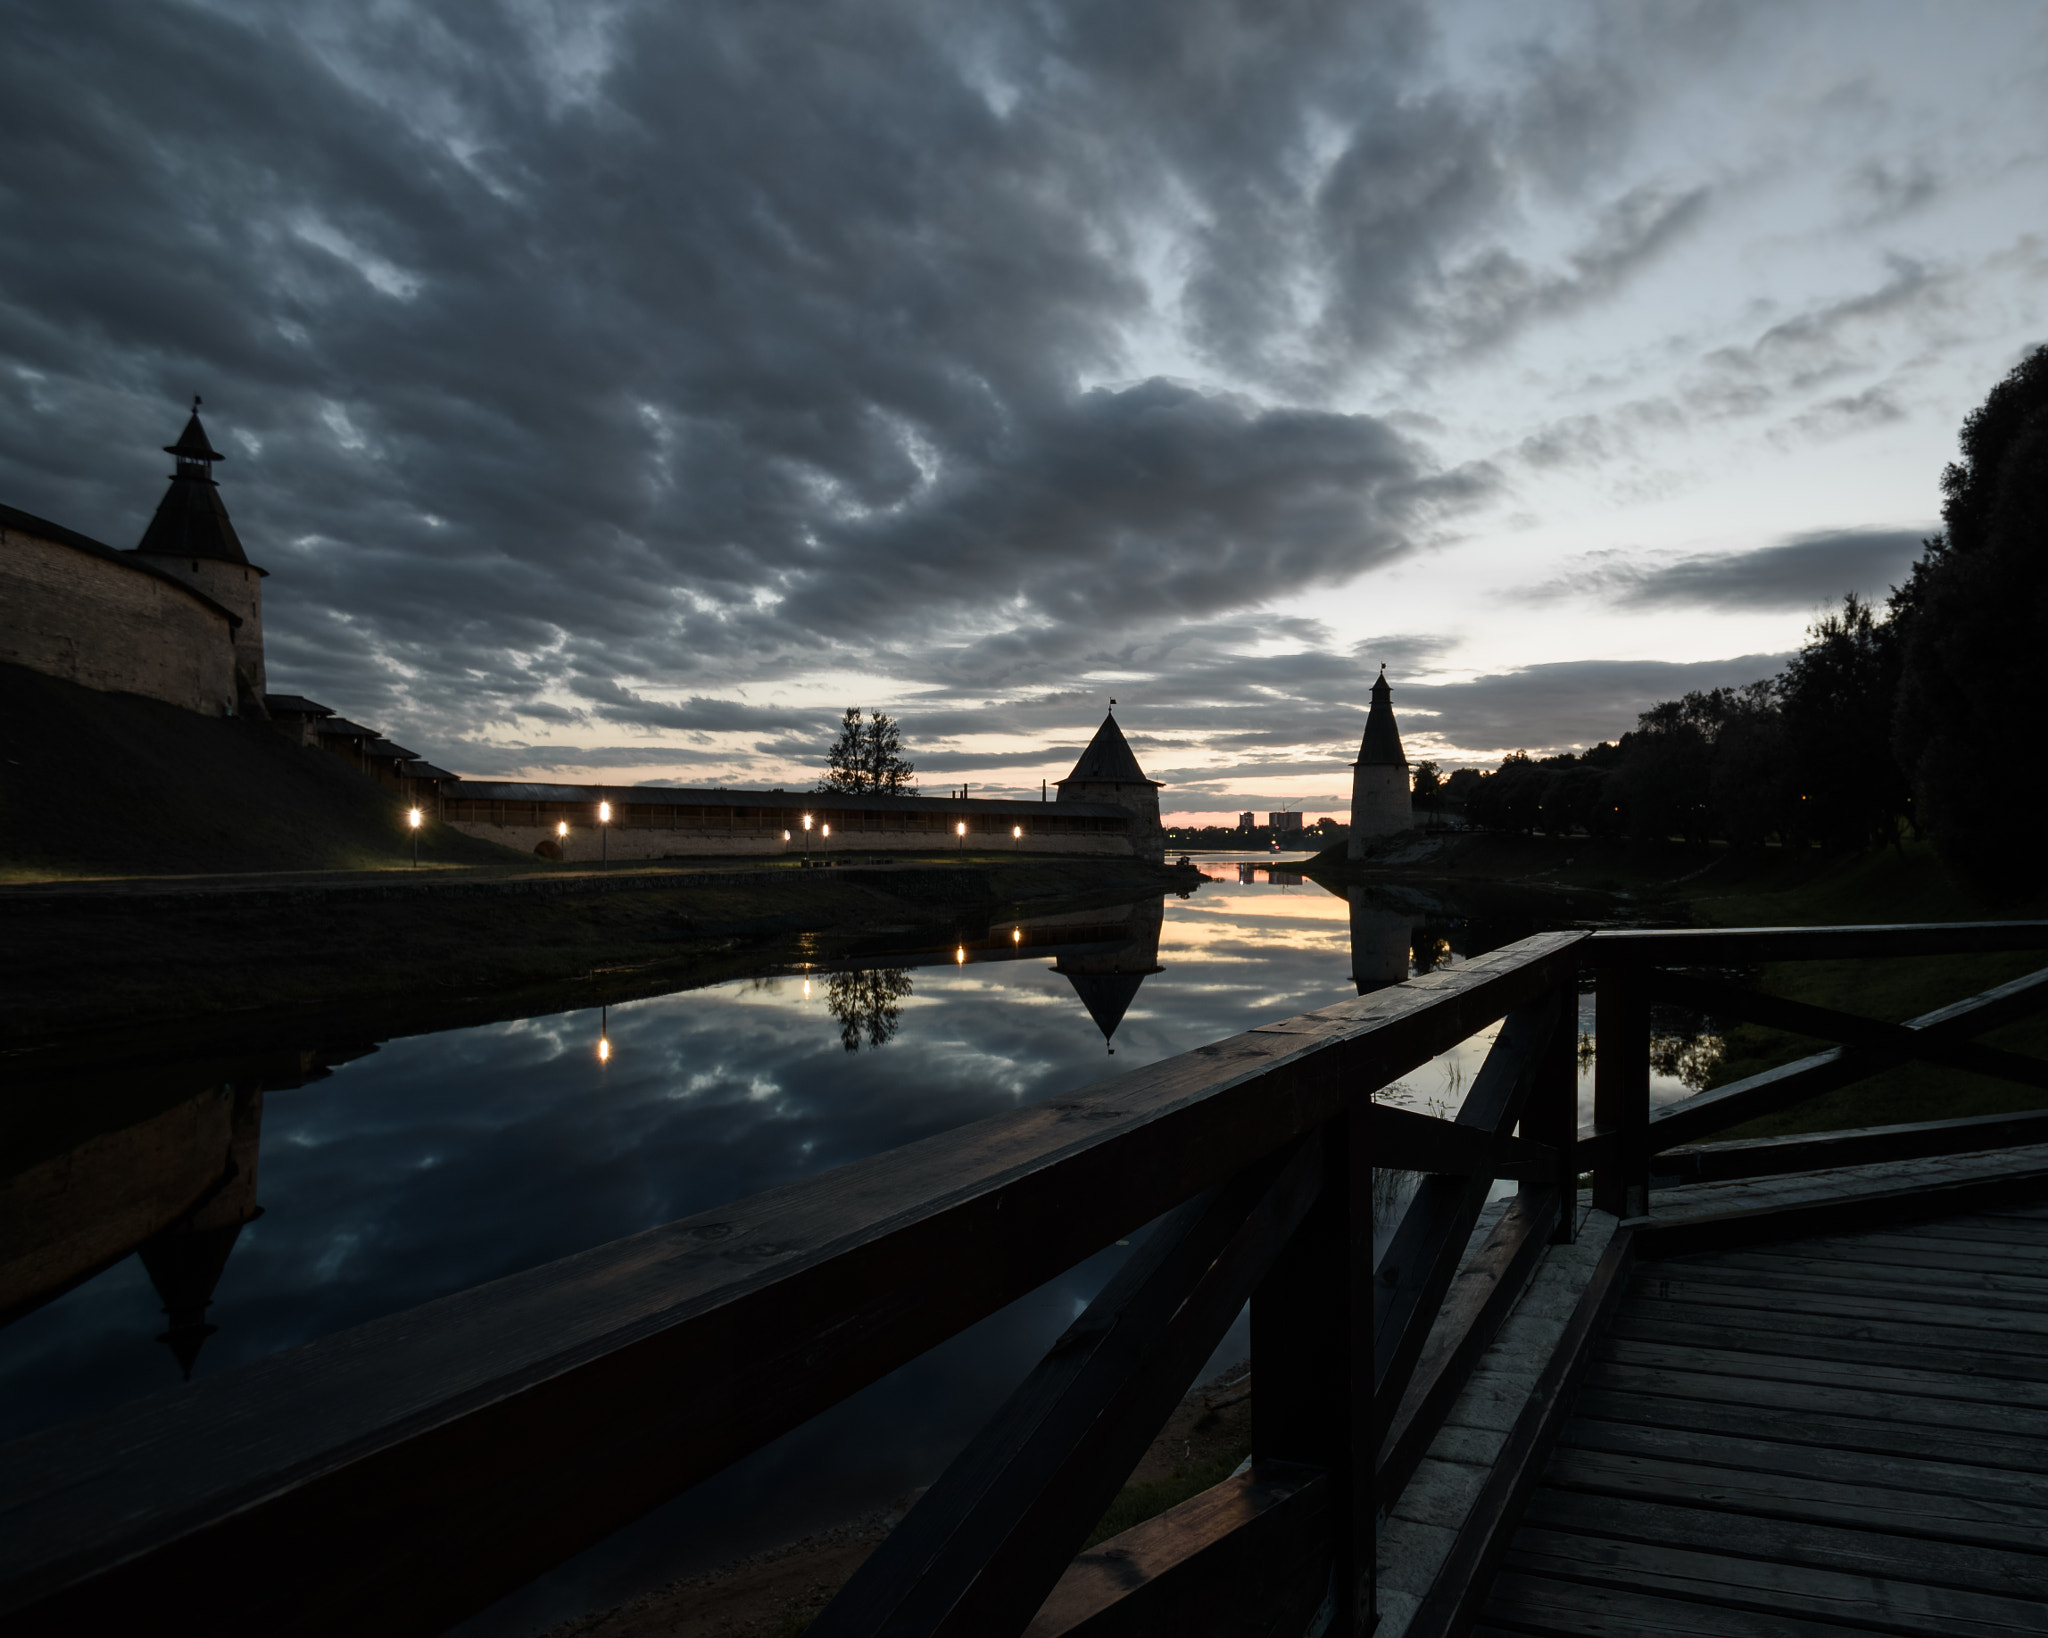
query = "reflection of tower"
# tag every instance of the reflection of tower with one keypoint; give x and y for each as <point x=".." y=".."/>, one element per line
<point x="185" y="1261"/>
<point x="1380" y="803"/>
<point x="1379" y="944"/>
<point x="1108" y="983"/>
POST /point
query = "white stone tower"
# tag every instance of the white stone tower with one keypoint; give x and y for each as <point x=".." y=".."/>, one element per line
<point x="1380" y="803"/>
<point x="1109" y="772"/>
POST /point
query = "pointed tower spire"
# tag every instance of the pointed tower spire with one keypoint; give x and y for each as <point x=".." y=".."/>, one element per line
<point x="1380" y="800"/>
<point x="1109" y="772"/>
<point x="190" y="520"/>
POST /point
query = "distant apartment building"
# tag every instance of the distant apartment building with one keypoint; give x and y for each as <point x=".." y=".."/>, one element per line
<point x="1284" y="821"/>
<point x="1246" y="821"/>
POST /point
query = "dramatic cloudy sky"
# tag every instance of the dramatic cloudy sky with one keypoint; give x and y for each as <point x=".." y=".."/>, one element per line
<point x="617" y="389"/>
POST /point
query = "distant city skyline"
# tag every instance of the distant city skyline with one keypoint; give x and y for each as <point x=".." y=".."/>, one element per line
<point x="619" y="391"/>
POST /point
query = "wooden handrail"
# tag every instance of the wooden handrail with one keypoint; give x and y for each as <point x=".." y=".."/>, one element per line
<point x="403" y="1474"/>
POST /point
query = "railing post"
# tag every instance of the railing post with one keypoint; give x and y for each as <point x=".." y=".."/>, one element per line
<point x="1312" y="1361"/>
<point x="1621" y="1090"/>
<point x="1551" y="1115"/>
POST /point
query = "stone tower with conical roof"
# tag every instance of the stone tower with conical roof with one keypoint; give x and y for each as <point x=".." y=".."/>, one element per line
<point x="192" y="538"/>
<point x="1380" y="802"/>
<point x="1109" y="772"/>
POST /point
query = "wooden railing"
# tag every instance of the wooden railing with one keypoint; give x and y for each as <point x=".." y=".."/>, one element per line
<point x="399" y="1476"/>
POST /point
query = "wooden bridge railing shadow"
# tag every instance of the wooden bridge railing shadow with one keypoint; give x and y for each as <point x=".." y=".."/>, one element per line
<point x="402" y="1475"/>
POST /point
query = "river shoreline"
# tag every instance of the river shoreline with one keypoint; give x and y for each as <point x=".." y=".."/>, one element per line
<point x="190" y="960"/>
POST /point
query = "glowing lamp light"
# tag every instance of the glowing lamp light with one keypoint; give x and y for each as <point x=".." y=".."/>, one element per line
<point x="960" y="829"/>
<point x="562" y="831"/>
<point x="604" y="813"/>
<point x="1016" y="935"/>
<point x="807" y="989"/>
<point x="413" y="818"/>
<point x="825" y="830"/>
<point x="1016" y="832"/>
<point x="807" y="821"/>
<point x="785" y="835"/>
<point x="604" y="1050"/>
<point x="960" y="955"/>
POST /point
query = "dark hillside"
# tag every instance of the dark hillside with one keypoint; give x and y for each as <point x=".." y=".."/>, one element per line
<point x="114" y="784"/>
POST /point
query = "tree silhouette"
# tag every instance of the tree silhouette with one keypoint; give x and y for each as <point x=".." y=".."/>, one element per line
<point x="867" y="758"/>
<point x="865" y="1004"/>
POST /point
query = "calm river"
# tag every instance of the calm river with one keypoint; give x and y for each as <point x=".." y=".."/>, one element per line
<point x="431" y="1163"/>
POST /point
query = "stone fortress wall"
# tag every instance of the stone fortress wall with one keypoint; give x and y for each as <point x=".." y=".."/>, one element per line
<point x="81" y="611"/>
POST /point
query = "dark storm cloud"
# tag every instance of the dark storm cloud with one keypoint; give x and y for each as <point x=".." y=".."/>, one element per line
<point x="674" y="347"/>
<point x="1797" y="573"/>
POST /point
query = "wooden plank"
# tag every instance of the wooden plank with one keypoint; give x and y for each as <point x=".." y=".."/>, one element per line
<point x="1240" y="1560"/>
<point x="1934" y="1516"/>
<point x="1861" y="1146"/>
<point x="1540" y="1604"/>
<point x="989" y="1539"/>
<point x="1784" y="1541"/>
<point x="1767" y="1588"/>
<point x="1877" y="1435"/>
<point x="1915" y="1251"/>
<point x="1621" y="1094"/>
<point x="1421" y="1259"/>
<point x="1405" y="1141"/>
<point x="1919" y="1304"/>
<point x="1775" y="1089"/>
<point x="1924" y="1347"/>
<point x="1811" y="1399"/>
<point x="1825" y="1369"/>
<point x="2013" y="1231"/>
<point x="1484" y="1290"/>
<point x="1920" y="1475"/>
<point x="1831" y="1024"/>
<point x="1469" y="1568"/>
<point x="1977" y="1231"/>
<point x="1887" y="1274"/>
<point x="404" y="1473"/>
<point x="1841" y="1212"/>
<point x="1752" y="946"/>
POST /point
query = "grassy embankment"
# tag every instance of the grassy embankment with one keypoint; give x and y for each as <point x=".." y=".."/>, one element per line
<point x="1907" y="885"/>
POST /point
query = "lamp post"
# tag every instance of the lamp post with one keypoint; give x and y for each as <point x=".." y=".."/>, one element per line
<point x="1016" y="836"/>
<point x="412" y="819"/>
<point x="960" y="830"/>
<point x="807" y="841"/>
<point x="604" y="835"/>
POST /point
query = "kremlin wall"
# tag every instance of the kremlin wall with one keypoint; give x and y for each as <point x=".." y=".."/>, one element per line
<point x="180" y="619"/>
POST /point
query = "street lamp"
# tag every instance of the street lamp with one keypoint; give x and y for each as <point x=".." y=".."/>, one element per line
<point x="1016" y="834"/>
<point x="604" y="819"/>
<point x="413" y="819"/>
<point x="807" y="838"/>
<point x="960" y="830"/>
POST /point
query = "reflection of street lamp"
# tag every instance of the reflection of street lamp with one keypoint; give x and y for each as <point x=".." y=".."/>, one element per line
<point x="604" y="1036"/>
<point x="604" y="819"/>
<point x="1016" y="935"/>
<point x="960" y="956"/>
<point x="413" y="819"/>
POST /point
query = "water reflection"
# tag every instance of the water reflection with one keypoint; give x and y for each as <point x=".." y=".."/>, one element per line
<point x="134" y="1249"/>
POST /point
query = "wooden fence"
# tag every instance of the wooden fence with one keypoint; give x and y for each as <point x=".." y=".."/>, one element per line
<point x="401" y="1475"/>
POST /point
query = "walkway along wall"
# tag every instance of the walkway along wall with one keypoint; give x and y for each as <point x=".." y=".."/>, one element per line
<point x="663" y="822"/>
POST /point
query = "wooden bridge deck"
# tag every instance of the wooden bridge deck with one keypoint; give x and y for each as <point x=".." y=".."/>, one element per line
<point x="1819" y="1436"/>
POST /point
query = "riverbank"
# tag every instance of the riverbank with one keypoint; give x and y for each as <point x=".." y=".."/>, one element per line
<point x="188" y="960"/>
<point x="1769" y="887"/>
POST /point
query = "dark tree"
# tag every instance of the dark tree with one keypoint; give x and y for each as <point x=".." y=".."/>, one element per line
<point x="1973" y="672"/>
<point x="1836" y="700"/>
<point x="867" y="758"/>
<point x="866" y="1004"/>
<point x="1428" y="781"/>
